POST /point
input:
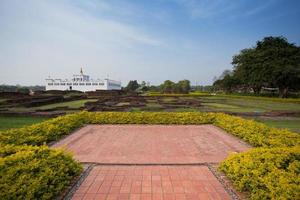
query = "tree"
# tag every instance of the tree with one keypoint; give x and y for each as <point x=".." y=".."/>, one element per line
<point x="132" y="85"/>
<point x="281" y="63"/>
<point x="273" y="62"/>
<point x="168" y="87"/>
<point x="23" y="90"/>
<point x="248" y="68"/>
<point x="228" y="83"/>
<point x="144" y="86"/>
<point x="183" y="86"/>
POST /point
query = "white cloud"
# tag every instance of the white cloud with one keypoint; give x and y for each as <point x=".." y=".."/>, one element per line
<point x="56" y="38"/>
<point x="264" y="5"/>
<point x="207" y="8"/>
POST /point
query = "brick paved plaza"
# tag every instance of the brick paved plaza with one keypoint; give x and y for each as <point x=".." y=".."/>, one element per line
<point x="149" y="162"/>
<point x="151" y="144"/>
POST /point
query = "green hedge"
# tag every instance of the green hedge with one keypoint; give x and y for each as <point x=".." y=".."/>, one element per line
<point x="44" y="132"/>
<point x="266" y="173"/>
<point x="257" y="134"/>
<point x="38" y="172"/>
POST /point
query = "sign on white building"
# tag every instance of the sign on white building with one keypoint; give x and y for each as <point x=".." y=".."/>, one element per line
<point x="82" y="82"/>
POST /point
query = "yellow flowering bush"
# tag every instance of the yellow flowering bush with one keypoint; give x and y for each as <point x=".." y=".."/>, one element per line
<point x="44" y="132"/>
<point x="277" y="157"/>
<point x="266" y="173"/>
<point x="255" y="133"/>
<point x="28" y="172"/>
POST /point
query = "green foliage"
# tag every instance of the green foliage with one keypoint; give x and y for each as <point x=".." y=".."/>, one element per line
<point x="132" y="85"/>
<point x="273" y="63"/>
<point x="270" y="99"/>
<point x="255" y="133"/>
<point x="266" y="173"/>
<point x="151" y="118"/>
<point x="229" y="83"/>
<point x="37" y="172"/>
<point x="182" y="87"/>
<point x="191" y="94"/>
<point x="16" y="88"/>
<point x="253" y="171"/>
<point x="281" y="63"/>
<point x="29" y="172"/>
<point x="70" y="104"/>
<point x="292" y="124"/>
<point x="7" y="122"/>
<point x="44" y="132"/>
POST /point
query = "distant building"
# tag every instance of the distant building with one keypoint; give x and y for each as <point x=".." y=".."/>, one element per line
<point x="82" y="82"/>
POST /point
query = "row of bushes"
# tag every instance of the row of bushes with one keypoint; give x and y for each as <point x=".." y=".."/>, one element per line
<point x="191" y="94"/>
<point x="263" y="98"/>
<point x="255" y="133"/>
<point x="203" y="94"/>
<point x="35" y="172"/>
<point x="266" y="173"/>
<point x="239" y="167"/>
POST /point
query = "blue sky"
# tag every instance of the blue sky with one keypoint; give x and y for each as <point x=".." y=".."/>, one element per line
<point x="151" y="40"/>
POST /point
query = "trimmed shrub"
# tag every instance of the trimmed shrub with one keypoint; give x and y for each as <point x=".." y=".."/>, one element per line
<point x="255" y="133"/>
<point x="151" y="118"/>
<point x="266" y="173"/>
<point x="29" y="172"/>
<point x="44" y="132"/>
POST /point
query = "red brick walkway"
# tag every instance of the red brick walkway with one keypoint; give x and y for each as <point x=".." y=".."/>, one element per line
<point x="151" y="183"/>
<point x="151" y="144"/>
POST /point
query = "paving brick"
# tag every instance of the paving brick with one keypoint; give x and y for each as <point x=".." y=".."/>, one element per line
<point x="150" y="144"/>
<point x="182" y="189"/>
<point x="157" y="144"/>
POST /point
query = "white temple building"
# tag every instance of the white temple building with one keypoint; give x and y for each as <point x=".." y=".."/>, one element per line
<point x="82" y="82"/>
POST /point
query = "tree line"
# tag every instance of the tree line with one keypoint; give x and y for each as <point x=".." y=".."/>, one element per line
<point x="273" y="63"/>
<point x="182" y="86"/>
<point x="20" y="89"/>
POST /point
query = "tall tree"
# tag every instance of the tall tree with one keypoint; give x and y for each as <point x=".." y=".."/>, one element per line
<point x="228" y="83"/>
<point x="168" y="87"/>
<point x="132" y="85"/>
<point x="273" y="62"/>
<point x="249" y="69"/>
<point x="183" y="86"/>
<point x="281" y="63"/>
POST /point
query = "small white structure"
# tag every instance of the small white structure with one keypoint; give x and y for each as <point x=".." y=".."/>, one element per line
<point x="82" y="83"/>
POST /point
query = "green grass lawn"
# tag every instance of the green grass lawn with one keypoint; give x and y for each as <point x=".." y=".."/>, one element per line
<point x="70" y="104"/>
<point x="292" y="124"/>
<point x="235" y="103"/>
<point x="232" y="104"/>
<point x="17" y="122"/>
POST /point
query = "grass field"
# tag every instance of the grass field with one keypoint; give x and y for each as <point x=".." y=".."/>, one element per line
<point x="232" y="104"/>
<point x="292" y="124"/>
<point x="17" y="122"/>
<point x="70" y="104"/>
<point x="236" y="103"/>
<point x="246" y="104"/>
<point x="216" y="103"/>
